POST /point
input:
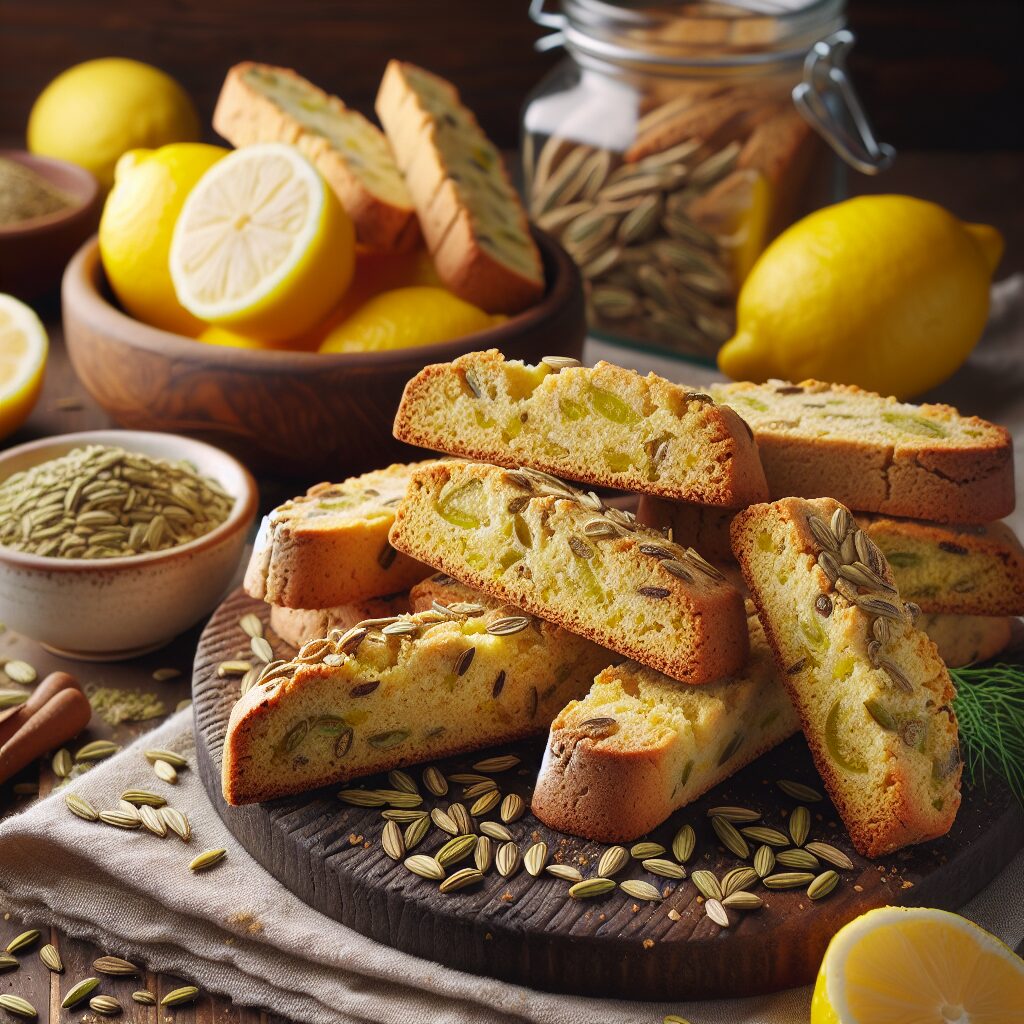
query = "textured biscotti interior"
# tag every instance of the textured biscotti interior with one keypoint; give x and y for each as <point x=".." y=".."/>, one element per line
<point x="968" y="570"/>
<point x="537" y="543"/>
<point x="330" y="546"/>
<point x="952" y="570"/>
<point x="400" y="692"/>
<point x="873" y="695"/>
<point x="605" y="426"/>
<point x="470" y="214"/>
<point x="262" y="103"/>
<point x="876" y="454"/>
<point x="640" y="746"/>
<point x="965" y="639"/>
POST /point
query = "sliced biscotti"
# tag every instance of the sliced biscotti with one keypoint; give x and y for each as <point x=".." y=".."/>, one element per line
<point x="605" y="426"/>
<point x="399" y="691"/>
<point x="952" y="570"/>
<point x="874" y="698"/>
<point x="533" y="541"/>
<point x="962" y="640"/>
<point x="262" y="103"/>
<point x="330" y="546"/>
<point x="296" y="626"/>
<point x="876" y="454"/>
<point x="640" y="746"/>
<point x="473" y="222"/>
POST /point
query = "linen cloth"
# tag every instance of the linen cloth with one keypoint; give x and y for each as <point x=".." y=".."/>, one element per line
<point x="238" y="931"/>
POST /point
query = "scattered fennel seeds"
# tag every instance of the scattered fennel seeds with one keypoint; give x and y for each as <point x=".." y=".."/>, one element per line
<point x="207" y="860"/>
<point x="81" y="990"/>
<point x="180" y="996"/>
<point x="23" y="941"/>
<point x="18" y="1006"/>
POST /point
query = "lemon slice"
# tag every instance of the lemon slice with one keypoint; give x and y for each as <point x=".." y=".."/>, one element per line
<point x="23" y="348"/>
<point x="262" y="245"/>
<point x="901" y="965"/>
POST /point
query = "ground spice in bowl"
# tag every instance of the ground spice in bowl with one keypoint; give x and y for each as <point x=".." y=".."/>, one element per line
<point x="26" y="194"/>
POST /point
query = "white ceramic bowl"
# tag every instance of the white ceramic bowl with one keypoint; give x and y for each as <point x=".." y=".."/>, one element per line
<point x="103" y="609"/>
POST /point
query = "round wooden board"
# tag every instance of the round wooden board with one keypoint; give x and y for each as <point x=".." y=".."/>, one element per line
<point x="529" y="931"/>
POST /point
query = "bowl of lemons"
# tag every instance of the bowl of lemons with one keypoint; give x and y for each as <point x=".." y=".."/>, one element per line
<point x="225" y="297"/>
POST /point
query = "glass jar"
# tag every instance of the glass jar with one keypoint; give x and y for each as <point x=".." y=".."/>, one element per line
<point x="666" y="151"/>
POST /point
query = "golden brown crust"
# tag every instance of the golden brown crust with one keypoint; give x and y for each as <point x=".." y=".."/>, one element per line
<point x="454" y="236"/>
<point x="899" y="817"/>
<point x="714" y="643"/>
<point x="244" y="116"/>
<point x="727" y="467"/>
<point x="296" y="626"/>
<point x="962" y="479"/>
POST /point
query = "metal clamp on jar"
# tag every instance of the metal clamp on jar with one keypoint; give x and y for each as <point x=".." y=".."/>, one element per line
<point x="676" y="140"/>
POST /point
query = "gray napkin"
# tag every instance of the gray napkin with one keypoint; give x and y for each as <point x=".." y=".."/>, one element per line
<point x="237" y="931"/>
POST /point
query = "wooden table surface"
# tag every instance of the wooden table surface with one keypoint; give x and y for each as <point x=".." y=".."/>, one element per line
<point x="975" y="186"/>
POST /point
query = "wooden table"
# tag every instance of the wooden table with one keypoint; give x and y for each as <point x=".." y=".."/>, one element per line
<point x="975" y="186"/>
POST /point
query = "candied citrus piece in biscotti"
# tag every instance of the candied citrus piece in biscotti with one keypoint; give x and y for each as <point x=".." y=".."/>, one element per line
<point x="874" y="698"/>
<point x="330" y="546"/>
<point x="400" y="691"/>
<point x="876" y="454"/>
<point x="531" y="540"/>
<point x="640" y="746"/>
<point x="606" y="426"/>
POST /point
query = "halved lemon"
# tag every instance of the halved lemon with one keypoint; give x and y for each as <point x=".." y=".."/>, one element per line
<point x="908" y="965"/>
<point x="23" y="348"/>
<point x="262" y="246"/>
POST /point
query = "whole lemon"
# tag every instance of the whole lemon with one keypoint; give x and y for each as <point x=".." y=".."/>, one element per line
<point x="406" y="317"/>
<point x="138" y="221"/>
<point x="887" y="292"/>
<point x="94" y="112"/>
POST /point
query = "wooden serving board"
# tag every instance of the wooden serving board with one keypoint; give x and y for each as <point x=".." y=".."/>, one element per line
<point x="529" y="931"/>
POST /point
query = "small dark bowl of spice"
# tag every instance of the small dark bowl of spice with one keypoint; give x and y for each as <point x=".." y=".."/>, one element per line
<point x="48" y="208"/>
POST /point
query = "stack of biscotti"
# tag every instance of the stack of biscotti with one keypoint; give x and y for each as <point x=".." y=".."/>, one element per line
<point x="924" y="484"/>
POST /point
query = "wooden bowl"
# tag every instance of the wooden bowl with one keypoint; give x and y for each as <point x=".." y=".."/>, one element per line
<point x="291" y="414"/>
<point x="34" y="253"/>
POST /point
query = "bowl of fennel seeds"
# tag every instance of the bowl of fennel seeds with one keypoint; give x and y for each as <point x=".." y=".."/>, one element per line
<point x="112" y="542"/>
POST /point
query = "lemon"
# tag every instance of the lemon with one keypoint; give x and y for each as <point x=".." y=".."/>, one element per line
<point x="887" y="292"/>
<point x="262" y="246"/>
<point x="94" y="112"/>
<point x="406" y="317"/>
<point x="23" y="348"/>
<point x="150" y="186"/>
<point x="230" y="339"/>
<point x="902" y="965"/>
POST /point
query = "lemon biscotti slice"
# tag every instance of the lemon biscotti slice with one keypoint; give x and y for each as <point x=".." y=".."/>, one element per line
<point x="876" y="454"/>
<point x="399" y="691"/>
<point x="605" y="425"/>
<point x="962" y="640"/>
<point x="261" y="103"/>
<point x="874" y="698"/>
<point x="330" y="546"/>
<point x="474" y="225"/>
<point x="640" y="746"/>
<point x="952" y="570"/>
<point x="533" y="541"/>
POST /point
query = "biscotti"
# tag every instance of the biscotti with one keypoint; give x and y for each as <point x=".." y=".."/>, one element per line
<point x="539" y="544"/>
<point x="472" y="220"/>
<point x="876" y="454"/>
<point x="951" y="570"/>
<point x="963" y="640"/>
<point x="330" y="546"/>
<point x="640" y="746"/>
<point x="606" y="426"/>
<point x="262" y="103"/>
<point x="399" y="691"/>
<point x="297" y="626"/>
<point x="874" y="698"/>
